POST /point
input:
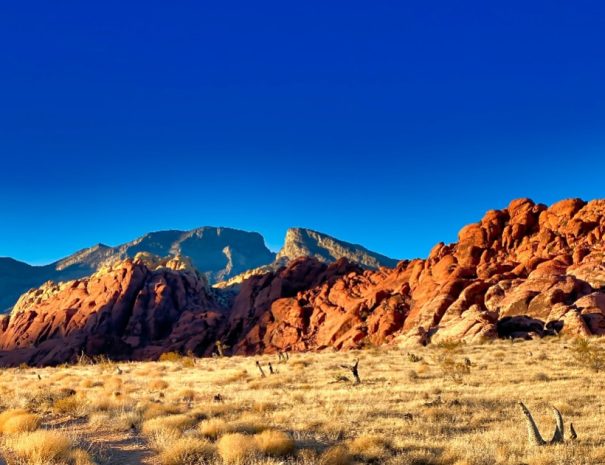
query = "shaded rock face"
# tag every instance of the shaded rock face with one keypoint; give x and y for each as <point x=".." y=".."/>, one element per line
<point x="218" y="253"/>
<point x="524" y="271"/>
<point x="131" y="310"/>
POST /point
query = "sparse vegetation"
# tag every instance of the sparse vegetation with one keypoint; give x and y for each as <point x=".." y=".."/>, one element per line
<point x="450" y="404"/>
<point x="589" y="354"/>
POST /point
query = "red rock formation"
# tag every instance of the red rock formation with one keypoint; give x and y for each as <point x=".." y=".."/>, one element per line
<point x="129" y="311"/>
<point x="524" y="271"/>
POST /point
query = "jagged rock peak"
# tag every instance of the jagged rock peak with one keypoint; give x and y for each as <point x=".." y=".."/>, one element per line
<point x="301" y="242"/>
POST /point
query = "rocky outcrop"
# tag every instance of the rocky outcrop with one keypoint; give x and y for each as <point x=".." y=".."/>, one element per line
<point x="524" y="271"/>
<point x="301" y="242"/>
<point x="217" y="253"/>
<point x="307" y="243"/>
<point x="224" y="255"/>
<point x="135" y="309"/>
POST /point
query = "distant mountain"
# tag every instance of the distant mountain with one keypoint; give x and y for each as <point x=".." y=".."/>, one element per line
<point x="307" y="243"/>
<point x="218" y="253"/>
<point x="223" y="255"/>
<point x="300" y="242"/>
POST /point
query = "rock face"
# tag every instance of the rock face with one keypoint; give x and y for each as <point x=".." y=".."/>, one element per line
<point x="135" y="309"/>
<point x="301" y="242"/>
<point x="307" y="243"/>
<point x="524" y="271"/>
<point x="218" y="253"/>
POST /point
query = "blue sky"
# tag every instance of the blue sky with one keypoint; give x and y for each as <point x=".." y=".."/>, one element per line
<point x="390" y="124"/>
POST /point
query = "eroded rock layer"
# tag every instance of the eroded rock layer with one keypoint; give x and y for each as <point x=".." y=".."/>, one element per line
<point x="524" y="271"/>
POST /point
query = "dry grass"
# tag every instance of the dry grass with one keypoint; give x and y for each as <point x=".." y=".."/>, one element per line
<point x="430" y="409"/>
<point x="235" y="448"/>
<point x="187" y="451"/>
<point x="274" y="443"/>
<point x="46" y="448"/>
<point x="18" y="421"/>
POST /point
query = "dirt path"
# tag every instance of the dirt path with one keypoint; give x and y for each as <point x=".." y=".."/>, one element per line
<point x="109" y="447"/>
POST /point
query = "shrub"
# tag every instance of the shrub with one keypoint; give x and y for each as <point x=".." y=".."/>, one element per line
<point x="187" y="395"/>
<point x="454" y="370"/>
<point x="336" y="455"/>
<point x="157" y="385"/>
<point x="80" y="457"/>
<point x="213" y="428"/>
<point x="18" y="421"/>
<point x="274" y="443"/>
<point x="449" y="345"/>
<point x="369" y="448"/>
<point x="41" y="447"/>
<point x="72" y="405"/>
<point x="170" y="357"/>
<point x="177" y="423"/>
<point x="236" y="448"/>
<point x="187" y="451"/>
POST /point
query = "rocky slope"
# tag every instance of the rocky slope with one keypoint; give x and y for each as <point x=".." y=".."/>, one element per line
<point x="300" y="242"/>
<point x="218" y="253"/>
<point x="524" y="271"/>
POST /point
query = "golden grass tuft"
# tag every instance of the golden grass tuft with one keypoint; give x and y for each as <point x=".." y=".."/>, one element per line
<point x="236" y="448"/>
<point x="178" y="423"/>
<point x="41" y="447"/>
<point x="369" y="447"/>
<point x="157" y="385"/>
<point x="213" y="428"/>
<point x="274" y="443"/>
<point x="187" y="451"/>
<point x="336" y="455"/>
<point x="18" y="421"/>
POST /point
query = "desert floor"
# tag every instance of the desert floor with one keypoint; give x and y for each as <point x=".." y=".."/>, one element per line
<point x="447" y="404"/>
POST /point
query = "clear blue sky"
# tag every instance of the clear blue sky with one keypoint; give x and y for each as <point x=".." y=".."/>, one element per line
<point x="390" y="124"/>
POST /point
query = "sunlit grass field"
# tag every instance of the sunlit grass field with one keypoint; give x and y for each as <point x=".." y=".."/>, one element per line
<point x="441" y="405"/>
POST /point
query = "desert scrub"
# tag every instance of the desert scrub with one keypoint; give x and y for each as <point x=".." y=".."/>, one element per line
<point x="236" y="448"/>
<point x="44" y="447"/>
<point x="187" y="451"/>
<point x="589" y="354"/>
<point x="370" y="448"/>
<point x="213" y="428"/>
<point x="177" y="423"/>
<point x="274" y="443"/>
<point x="336" y="455"/>
<point x="18" y="421"/>
<point x="454" y="369"/>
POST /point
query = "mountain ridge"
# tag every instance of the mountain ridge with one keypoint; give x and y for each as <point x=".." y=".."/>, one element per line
<point x="219" y="253"/>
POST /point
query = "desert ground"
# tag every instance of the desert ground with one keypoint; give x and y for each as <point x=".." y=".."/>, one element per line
<point x="442" y="404"/>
